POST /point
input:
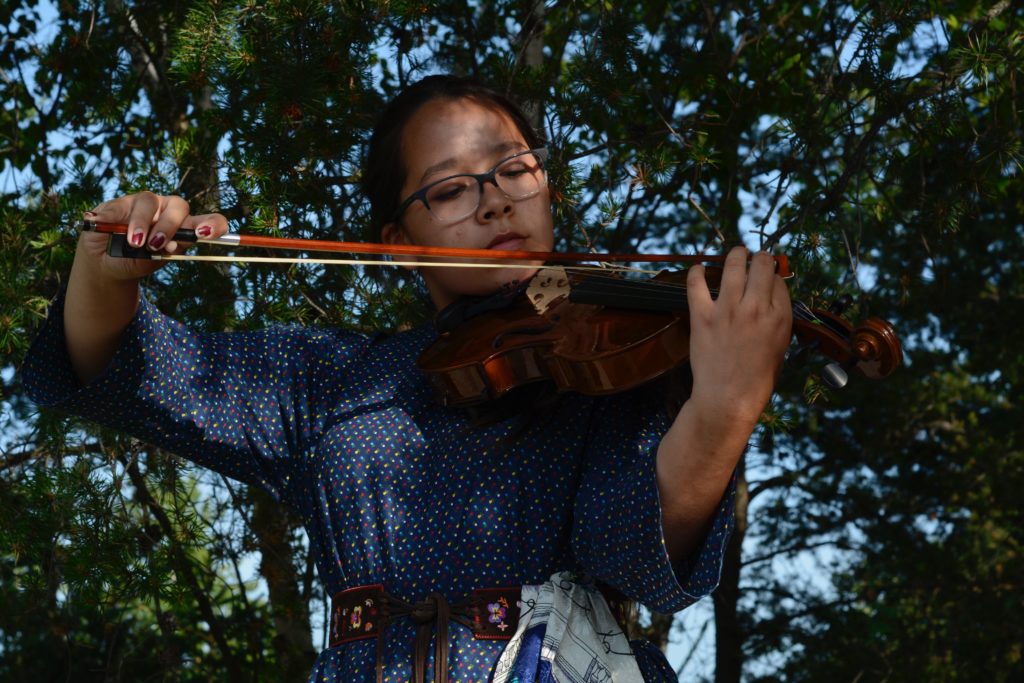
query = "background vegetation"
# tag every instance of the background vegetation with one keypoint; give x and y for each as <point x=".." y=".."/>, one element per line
<point x="878" y="144"/>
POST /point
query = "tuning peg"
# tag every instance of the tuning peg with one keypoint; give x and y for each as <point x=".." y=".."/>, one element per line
<point x="836" y="375"/>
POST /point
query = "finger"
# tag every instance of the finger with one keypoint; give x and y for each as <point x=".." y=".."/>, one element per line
<point x="759" y="280"/>
<point x="698" y="296"/>
<point x="112" y="211"/>
<point x="173" y="211"/>
<point x="142" y="213"/>
<point x="207" y="225"/>
<point x="781" y="299"/>
<point x="783" y="307"/>
<point x="734" y="276"/>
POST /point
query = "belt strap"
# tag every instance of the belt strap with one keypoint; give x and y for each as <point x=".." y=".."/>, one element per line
<point x="366" y="611"/>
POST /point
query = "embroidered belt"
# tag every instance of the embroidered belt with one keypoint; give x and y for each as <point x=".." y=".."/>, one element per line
<point x="366" y="611"/>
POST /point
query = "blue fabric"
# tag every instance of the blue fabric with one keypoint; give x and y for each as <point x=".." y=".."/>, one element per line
<point x="525" y="670"/>
<point x="652" y="662"/>
<point x="544" y="674"/>
<point x="392" y="487"/>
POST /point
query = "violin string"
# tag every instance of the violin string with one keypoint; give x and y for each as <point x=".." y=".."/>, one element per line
<point x="669" y="293"/>
<point x="605" y="267"/>
<point x="641" y="288"/>
<point x="665" y="292"/>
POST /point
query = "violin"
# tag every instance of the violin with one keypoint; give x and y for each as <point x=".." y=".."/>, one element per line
<point x="602" y="334"/>
<point x="586" y="332"/>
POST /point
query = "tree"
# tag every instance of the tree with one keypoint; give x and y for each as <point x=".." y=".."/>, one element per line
<point x="877" y="143"/>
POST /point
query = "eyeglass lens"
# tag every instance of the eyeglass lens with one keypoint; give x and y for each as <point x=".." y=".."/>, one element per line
<point x="520" y="177"/>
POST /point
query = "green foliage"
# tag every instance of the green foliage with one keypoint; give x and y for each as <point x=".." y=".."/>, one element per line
<point x="93" y="578"/>
<point x="878" y="144"/>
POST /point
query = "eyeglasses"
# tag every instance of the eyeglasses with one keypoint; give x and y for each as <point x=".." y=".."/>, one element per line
<point x="451" y="199"/>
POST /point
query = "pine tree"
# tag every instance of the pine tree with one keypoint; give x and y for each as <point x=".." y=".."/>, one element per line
<point x="877" y="144"/>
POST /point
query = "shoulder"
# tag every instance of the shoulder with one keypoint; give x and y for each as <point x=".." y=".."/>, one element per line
<point x="395" y="355"/>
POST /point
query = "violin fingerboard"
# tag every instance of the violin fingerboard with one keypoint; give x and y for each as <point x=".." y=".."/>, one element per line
<point x="618" y="293"/>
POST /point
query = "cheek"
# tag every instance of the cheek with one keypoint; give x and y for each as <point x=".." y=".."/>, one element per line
<point x="544" y="219"/>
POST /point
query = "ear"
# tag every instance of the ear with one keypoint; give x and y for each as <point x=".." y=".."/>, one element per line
<point x="394" y="234"/>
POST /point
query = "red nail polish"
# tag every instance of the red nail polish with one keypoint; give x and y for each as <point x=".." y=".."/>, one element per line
<point x="204" y="231"/>
<point x="157" y="241"/>
<point x="137" y="239"/>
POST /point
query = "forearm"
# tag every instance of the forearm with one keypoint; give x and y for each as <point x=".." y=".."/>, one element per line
<point x="97" y="310"/>
<point x="695" y="462"/>
<point x="737" y="342"/>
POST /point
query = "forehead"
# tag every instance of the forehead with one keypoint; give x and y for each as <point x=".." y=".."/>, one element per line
<point x="452" y="132"/>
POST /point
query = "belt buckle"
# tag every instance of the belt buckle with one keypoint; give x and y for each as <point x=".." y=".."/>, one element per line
<point x="497" y="612"/>
<point x="356" y="614"/>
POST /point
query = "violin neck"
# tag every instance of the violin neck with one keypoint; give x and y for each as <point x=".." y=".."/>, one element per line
<point x="643" y="295"/>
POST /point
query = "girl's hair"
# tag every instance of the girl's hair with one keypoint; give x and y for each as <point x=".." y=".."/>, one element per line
<point x="384" y="172"/>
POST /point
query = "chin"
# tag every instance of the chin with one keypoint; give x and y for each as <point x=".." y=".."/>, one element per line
<point x="520" y="274"/>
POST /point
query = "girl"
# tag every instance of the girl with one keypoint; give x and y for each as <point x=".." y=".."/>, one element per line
<point x="417" y="516"/>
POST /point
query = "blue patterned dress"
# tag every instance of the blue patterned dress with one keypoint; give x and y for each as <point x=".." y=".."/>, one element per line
<point x="393" y="488"/>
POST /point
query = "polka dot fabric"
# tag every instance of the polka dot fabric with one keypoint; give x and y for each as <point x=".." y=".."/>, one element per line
<point x="392" y="487"/>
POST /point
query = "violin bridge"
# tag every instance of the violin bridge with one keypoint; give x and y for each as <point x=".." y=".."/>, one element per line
<point x="547" y="288"/>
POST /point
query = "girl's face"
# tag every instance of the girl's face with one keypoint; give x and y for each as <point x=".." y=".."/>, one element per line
<point x="447" y="137"/>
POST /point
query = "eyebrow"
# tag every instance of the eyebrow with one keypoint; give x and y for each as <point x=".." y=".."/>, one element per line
<point x="450" y="163"/>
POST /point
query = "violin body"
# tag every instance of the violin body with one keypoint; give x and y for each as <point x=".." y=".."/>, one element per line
<point x="601" y="335"/>
<point x="583" y="347"/>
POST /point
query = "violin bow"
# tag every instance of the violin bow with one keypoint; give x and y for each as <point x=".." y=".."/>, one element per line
<point x="493" y="258"/>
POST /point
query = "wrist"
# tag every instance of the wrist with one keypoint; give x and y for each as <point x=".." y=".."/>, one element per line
<point x="705" y="440"/>
<point x="718" y="412"/>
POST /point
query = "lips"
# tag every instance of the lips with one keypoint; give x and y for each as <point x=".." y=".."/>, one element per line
<point x="507" y="241"/>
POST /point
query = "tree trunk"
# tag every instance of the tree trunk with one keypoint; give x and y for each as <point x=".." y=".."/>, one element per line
<point x="532" y="41"/>
<point x="293" y="643"/>
<point x="728" y="634"/>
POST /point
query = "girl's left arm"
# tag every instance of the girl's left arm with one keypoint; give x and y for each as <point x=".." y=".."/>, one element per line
<point x="737" y="342"/>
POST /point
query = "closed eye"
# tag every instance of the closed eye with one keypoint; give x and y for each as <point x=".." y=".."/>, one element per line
<point x="447" y="191"/>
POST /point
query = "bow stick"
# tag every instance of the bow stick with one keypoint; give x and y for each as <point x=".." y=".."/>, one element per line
<point x="503" y="258"/>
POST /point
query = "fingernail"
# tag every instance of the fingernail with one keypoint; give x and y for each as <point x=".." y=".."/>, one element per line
<point x="136" y="239"/>
<point x="204" y="231"/>
<point x="91" y="214"/>
<point x="157" y="241"/>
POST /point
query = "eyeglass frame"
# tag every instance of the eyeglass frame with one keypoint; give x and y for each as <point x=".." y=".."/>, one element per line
<point x="490" y="176"/>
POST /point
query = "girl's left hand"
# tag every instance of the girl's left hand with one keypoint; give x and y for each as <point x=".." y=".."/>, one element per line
<point x="737" y="341"/>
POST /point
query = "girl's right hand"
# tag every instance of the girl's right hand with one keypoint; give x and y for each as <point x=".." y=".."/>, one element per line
<point x="152" y="222"/>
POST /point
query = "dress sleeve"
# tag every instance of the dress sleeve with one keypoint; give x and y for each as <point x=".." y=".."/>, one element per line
<point x="617" y="531"/>
<point x="245" y="404"/>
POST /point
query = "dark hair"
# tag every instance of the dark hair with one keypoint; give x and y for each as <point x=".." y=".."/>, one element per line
<point x="384" y="172"/>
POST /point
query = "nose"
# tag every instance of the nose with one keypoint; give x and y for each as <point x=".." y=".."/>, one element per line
<point x="494" y="203"/>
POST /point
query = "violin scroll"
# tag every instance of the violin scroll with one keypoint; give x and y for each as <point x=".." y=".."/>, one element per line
<point x="872" y="347"/>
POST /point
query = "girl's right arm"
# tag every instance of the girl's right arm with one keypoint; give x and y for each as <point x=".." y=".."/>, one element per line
<point x="103" y="291"/>
<point x="248" y="404"/>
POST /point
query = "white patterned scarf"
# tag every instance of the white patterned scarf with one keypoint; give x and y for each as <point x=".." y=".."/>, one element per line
<point x="582" y="641"/>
